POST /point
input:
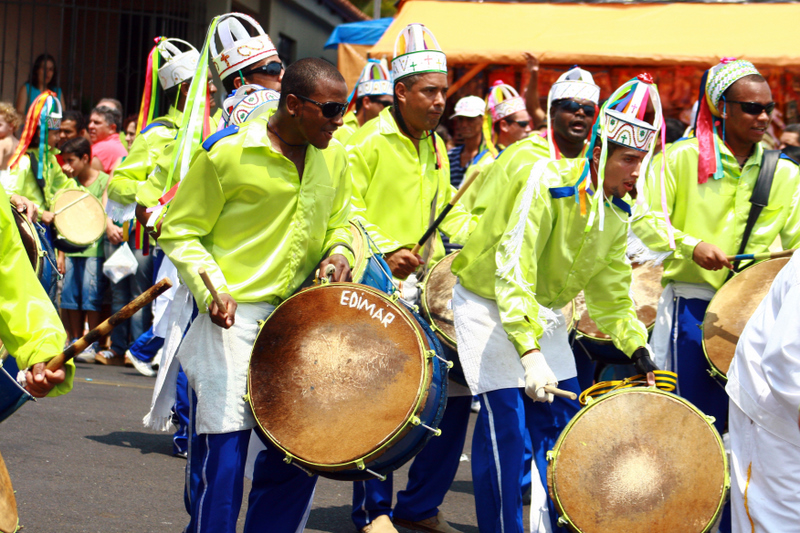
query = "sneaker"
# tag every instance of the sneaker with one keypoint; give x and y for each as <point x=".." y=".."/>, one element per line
<point x="108" y="357"/>
<point x="88" y="355"/>
<point x="143" y="367"/>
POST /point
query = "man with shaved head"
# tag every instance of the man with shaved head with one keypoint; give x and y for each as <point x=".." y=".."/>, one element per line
<point x="280" y="159"/>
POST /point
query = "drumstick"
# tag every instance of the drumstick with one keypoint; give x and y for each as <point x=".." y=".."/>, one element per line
<point x="107" y="325"/>
<point x="71" y="204"/>
<point x="761" y="256"/>
<point x="555" y="391"/>
<point x="212" y="290"/>
<point x="459" y="193"/>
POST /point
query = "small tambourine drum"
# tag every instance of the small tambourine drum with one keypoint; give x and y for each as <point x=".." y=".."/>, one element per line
<point x="38" y="249"/>
<point x="638" y="460"/>
<point x="731" y="308"/>
<point x="9" y="519"/>
<point x="12" y="395"/>
<point x="347" y="382"/>
<point x="437" y="300"/>
<point x="645" y="290"/>
<point x="80" y="220"/>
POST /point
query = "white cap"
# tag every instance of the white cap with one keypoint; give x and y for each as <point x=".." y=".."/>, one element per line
<point x="241" y="48"/>
<point x="178" y="66"/>
<point x="469" y="106"/>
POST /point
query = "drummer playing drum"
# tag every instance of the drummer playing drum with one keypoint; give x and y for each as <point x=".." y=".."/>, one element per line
<point x="260" y="205"/>
<point x="401" y="182"/>
<point x="537" y="249"/>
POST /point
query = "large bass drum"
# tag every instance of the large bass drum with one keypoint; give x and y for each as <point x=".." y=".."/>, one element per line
<point x="346" y="382"/>
<point x="639" y="460"/>
<point x="731" y="308"/>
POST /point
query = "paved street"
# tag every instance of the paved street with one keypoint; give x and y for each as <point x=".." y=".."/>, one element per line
<point x="84" y="463"/>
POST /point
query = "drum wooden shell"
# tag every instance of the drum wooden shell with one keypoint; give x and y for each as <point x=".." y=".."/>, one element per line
<point x="338" y="374"/>
<point x="639" y="460"/>
<point x="30" y="240"/>
<point x="82" y="224"/>
<point x="731" y="308"/>
<point x="9" y="520"/>
<point x="646" y="289"/>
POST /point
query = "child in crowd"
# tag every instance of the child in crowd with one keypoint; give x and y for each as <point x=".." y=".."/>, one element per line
<point x="9" y="123"/>
<point x="83" y="280"/>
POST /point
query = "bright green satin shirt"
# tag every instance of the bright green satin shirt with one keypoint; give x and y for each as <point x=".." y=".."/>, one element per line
<point x="145" y="158"/>
<point x="22" y="181"/>
<point x="243" y="213"/>
<point x="347" y="129"/>
<point x="394" y="187"/>
<point x="478" y="169"/>
<point x="537" y="253"/>
<point x="30" y="327"/>
<point x="716" y="211"/>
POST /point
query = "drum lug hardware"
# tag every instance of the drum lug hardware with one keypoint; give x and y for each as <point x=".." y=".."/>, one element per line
<point x="711" y="419"/>
<point x="550" y="456"/>
<point x="562" y="522"/>
<point x="415" y="421"/>
<point x="288" y="461"/>
<point x="431" y="354"/>
<point x="246" y="398"/>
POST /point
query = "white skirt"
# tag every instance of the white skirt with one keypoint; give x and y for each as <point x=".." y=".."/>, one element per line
<point x="215" y="361"/>
<point x="490" y="361"/>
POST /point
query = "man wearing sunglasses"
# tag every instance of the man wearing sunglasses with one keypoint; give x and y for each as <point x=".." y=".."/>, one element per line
<point x="401" y="182"/>
<point x="257" y="209"/>
<point x="572" y="108"/>
<point x="708" y="184"/>
<point x="373" y="93"/>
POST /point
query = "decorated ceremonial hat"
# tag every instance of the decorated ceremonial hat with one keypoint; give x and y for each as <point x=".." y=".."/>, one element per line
<point x="52" y="113"/>
<point x="576" y="83"/>
<point x="248" y="102"/>
<point x="715" y="82"/>
<point x="470" y="107"/>
<point x="43" y="114"/>
<point x="240" y="47"/>
<point x="503" y="100"/>
<point x="375" y="80"/>
<point x="416" y="51"/>
<point x="178" y="65"/>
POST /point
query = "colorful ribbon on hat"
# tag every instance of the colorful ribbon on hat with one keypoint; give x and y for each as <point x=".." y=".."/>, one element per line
<point x="149" y="104"/>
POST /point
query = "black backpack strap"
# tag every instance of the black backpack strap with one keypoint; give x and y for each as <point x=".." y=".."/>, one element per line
<point x="760" y="196"/>
<point x="35" y="170"/>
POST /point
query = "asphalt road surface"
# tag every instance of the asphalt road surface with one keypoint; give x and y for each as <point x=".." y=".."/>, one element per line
<point x="85" y="463"/>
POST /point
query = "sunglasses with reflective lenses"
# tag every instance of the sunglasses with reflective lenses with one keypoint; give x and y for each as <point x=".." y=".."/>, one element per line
<point x="571" y="106"/>
<point x="329" y="109"/>
<point x="754" y="108"/>
<point x="270" y="69"/>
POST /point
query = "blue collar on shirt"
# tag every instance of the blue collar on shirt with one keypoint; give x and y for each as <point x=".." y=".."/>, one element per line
<point x="569" y="191"/>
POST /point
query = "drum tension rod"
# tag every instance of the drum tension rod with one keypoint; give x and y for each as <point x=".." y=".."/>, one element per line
<point x="377" y="475"/>
<point x="432" y="354"/>
<point x="288" y="460"/>
<point x="417" y="422"/>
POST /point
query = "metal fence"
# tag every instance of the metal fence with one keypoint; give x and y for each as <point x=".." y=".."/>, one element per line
<point x="99" y="46"/>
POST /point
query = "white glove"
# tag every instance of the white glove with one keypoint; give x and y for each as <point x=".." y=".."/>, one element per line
<point x="537" y="375"/>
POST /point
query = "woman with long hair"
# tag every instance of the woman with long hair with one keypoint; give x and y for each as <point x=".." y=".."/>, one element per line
<point x="44" y="75"/>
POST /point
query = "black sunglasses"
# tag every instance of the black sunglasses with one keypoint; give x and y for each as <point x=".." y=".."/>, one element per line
<point x="571" y="106"/>
<point x="521" y="123"/>
<point x="384" y="103"/>
<point x="329" y="109"/>
<point x="754" y="108"/>
<point x="270" y="69"/>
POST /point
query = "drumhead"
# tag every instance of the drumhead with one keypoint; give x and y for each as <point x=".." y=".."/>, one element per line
<point x="81" y="224"/>
<point x="731" y="308"/>
<point x="9" y="520"/>
<point x="646" y="290"/>
<point x="30" y="240"/>
<point x="336" y="374"/>
<point x="437" y="300"/>
<point x="639" y="460"/>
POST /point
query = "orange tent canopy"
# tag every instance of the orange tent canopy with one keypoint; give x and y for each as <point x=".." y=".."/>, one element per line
<point x="604" y="34"/>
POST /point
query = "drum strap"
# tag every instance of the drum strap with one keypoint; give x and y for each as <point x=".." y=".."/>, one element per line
<point x="35" y="170"/>
<point x="759" y="198"/>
